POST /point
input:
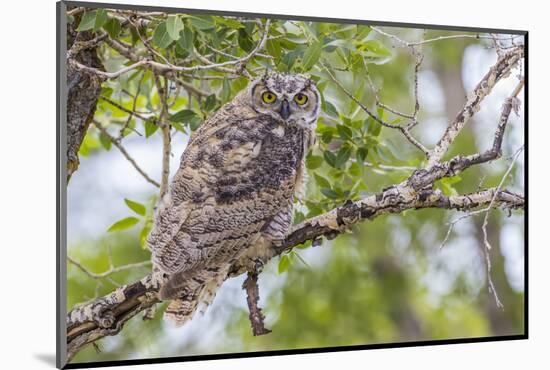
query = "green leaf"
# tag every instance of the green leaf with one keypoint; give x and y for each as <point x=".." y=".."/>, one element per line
<point x="374" y="52"/>
<point x="106" y="91"/>
<point x="273" y="47"/>
<point x="245" y="41"/>
<point x="179" y="127"/>
<point x="202" y="22"/>
<point x="136" y="207"/>
<point x="373" y="127"/>
<point x="231" y="23"/>
<point x="112" y="27"/>
<point x="87" y="21"/>
<point x="288" y="59"/>
<point x="304" y="245"/>
<point x="186" y="40"/>
<point x="284" y="263"/>
<point x="330" y="158"/>
<point x="343" y="155"/>
<point x="298" y="217"/>
<point x="105" y="141"/>
<point x="362" y="32"/>
<point x="339" y="44"/>
<point x="134" y="36"/>
<point x="161" y="37"/>
<point x="361" y="154"/>
<point x="150" y="128"/>
<point x="183" y="116"/>
<point x="174" y="25"/>
<point x="375" y="47"/>
<point x="100" y="19"/>
<point x="321" y="181"/>
<point x="225" y="94"/>
<point x="344" y="132"/>
<point x="210" y="102"/>
<point x="330" y="109"/>
<point x="313" y="162"/>
<point x="123" y="224"/>
<point x="311" y="55"/>
<point x="144" y="233"/>
<point x="326" y="137"/>
<point x="329" y="193"/>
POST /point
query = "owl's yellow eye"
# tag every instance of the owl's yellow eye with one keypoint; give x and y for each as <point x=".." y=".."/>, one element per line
<point x="268" y="97"/>
<point x="300" y="98"/>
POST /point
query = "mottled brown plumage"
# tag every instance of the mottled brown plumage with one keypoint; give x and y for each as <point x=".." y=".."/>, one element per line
<point x="232" y="196"/>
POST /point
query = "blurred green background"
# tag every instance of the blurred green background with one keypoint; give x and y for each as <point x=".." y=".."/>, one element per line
<point x="385" y="281"/>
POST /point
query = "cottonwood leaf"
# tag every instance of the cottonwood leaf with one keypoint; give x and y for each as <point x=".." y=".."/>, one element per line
<point x="123" y="224"/>
<point x="100" y="19"/>
<point x="314" y="161"/>
<point x="174" y="25"/>
<point x="161" y="37"/>
<point x="202" y="22"/>
<point x="311" y="55"/>
<point x="112" y="27"/>
<point x="183" y="116"/>
<point x="150" y="128"/>
<point x="135" y="206"/>
<point x="87" y="21"/>
<point x="284" y="263"/>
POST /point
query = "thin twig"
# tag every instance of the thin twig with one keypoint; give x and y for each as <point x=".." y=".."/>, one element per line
<point x="486" y="220"/>
<point x="134" y="103"/>
<point x="439" y="38"/>
<point x="167" y="67"/>
<point x="110" y="271"/>
<point x="124" y="153"/>
<point x="404" y="129"/>
<point x="166" y="140"/>
<point x="151" y="118"/>
<point x="498" y="71"/>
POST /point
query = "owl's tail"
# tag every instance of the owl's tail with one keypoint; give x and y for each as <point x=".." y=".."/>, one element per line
<point x="183" y="308"/>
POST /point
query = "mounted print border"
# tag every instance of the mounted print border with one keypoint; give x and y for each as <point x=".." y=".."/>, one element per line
<point x="427" y="183"/>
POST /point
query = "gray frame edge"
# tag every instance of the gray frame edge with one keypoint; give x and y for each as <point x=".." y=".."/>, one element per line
<point x="61" y="186"/>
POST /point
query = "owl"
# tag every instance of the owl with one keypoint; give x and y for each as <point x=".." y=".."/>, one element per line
<point x="232" y="197"/>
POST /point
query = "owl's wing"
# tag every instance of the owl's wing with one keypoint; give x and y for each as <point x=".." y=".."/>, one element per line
<point x="221" y="196"/>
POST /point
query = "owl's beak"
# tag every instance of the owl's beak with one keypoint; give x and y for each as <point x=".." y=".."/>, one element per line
<point x="285" y="110"/>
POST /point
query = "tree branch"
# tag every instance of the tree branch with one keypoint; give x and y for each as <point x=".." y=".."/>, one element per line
<point x="125" y="153"/>
<point x="256" y="316"/>
<point x="405" y="129"/>
<point x="500" y="70"/>
<point x="404" y="43"/>
<point x="168" y="67"/>
<point x="107" y="315"/>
